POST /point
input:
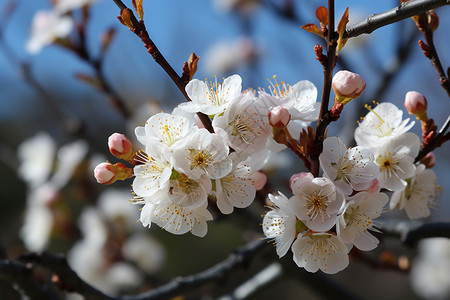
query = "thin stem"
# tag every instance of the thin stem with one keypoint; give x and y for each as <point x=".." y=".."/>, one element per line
<point x="401" y="12"/>
<point x="139" y="29"/>
<point x="431" y="52"/>
<point x="324" y="119"/>
<point x="436" y="141"/>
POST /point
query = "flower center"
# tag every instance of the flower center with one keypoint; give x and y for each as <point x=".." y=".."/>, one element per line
<point x="383" y="127"/>
<point x="316" y="205"/>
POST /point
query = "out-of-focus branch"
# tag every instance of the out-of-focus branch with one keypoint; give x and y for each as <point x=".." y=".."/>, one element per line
<point x="251" y="286"/>
<point x="410" y="233"/>
<point x="64" y="276"/>
<point x="22" y="276"/>
<point x="240" y="258"/>
<point x="138" y="28"/>
<point x="401" y="12"/>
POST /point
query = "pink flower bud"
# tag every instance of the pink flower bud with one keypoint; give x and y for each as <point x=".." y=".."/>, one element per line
<point x="259" y="180"/>
<point x="416" y="104"/>
<point x="296" y="177"/>
<point x="347" y="86"/>
<point x="104" y="173"/>
<point x="429" y="160"/>
<point x="374" y="187"/>
<point x="279" y="116"/>
<point x="120" y="146"/>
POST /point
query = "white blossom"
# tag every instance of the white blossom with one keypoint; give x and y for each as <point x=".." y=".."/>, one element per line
<point x="212" y="98"/>
<point x="245" y="124"/>
<point x="396" y="161"/>
<point x="299" y="99"/>
<point x="322" y="251"/>
<point x="349" y="169"/>
<point x="153" y="173"/>
<point x="164" y="129"/>
<point x="175" y="218"/>
<point x="380" y="125"/>
<point x="236" y="189"/>
<point x="316" y="202"/>
<point x="280" y="224"/>
<point x="419" y="195"/>
<point x="203" y="154"/>
<point x="356" y="221"/>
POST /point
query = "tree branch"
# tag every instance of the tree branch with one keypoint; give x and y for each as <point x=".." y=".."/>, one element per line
<point x="240" y="258"/>
<point x="410" y="233"/>
<point x="22" y="276"/>
<point x="324" y="119"/>
<point x="401" y="12"/>
<point x="138" y="28"/>
<point x="66" y="278"/>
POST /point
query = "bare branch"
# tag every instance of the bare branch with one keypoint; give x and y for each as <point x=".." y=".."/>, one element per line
<point x="401" y="12"/>
<point x="22" y="275"/>
<point x="240" y="258"/>
<point x="66" y="277"/>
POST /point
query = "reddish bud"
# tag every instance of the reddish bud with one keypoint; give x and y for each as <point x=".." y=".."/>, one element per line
<point x="120" y="146"/>
<point x="347" y="86"/>
<point x="374" y="187"/>
<point x="416" y="104"/>
<point x="107" y="173"/>
<point x="259" y="180"/>
<point x="279" y="117"/>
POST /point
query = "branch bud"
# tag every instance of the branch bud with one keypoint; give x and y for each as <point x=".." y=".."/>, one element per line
<point x="429" y="160"/>
<point x="296" y="177"/>
<point x="416" y="104"/>
<point x="347" y="86"/>
<point x="259" y="179"/>
<point x="279" y="117"/>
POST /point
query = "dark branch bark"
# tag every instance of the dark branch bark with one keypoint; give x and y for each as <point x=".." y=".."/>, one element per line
<point x="22" y="276"/>
<point x="401" y="12"/>
<point x="67" y="278"/>
<point x="241" y="258"/>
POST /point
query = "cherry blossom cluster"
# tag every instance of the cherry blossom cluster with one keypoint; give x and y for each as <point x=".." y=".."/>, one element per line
<point x="327" y="216"/>
<point x="184" y="169"/>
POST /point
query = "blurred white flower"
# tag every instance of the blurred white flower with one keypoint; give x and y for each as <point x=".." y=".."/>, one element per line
<point x="245" y="6"/>
<point x="146" y="252"/>
<point x="63" y="6"/>
<point x="46" y="27"/>
<point x="430" y="271"/>
<point x="226" y="56"/>
<point x="114" y="205"/>
<point x="38" y="224"/>
<point x="36" y="157"/>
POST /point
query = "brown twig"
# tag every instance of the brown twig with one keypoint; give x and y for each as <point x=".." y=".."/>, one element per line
<point x="431" y="52"/>
<point x="324" y="119"/>
<point x="138" y="28"/>
<point x="437" y="141"/>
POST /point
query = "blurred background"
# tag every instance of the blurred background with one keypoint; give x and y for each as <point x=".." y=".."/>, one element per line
<point x="57" y="113"/>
